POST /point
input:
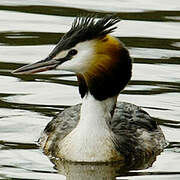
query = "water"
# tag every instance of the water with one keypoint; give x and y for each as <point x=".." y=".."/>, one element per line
<point x="28" y="31"/>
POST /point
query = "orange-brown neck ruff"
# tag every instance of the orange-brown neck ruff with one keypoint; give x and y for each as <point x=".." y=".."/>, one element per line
<point x="109" y="70"/>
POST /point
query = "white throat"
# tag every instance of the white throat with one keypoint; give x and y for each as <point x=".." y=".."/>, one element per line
<point x="96" y="114"/>
<point x="92" y="139"/>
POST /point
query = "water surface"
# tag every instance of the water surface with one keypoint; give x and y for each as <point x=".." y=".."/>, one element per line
<point x="29" y="29"/>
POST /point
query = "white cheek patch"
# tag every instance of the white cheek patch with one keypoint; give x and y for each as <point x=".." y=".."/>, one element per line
<point x="79" y="62"/>
<point x="60" y="55"/>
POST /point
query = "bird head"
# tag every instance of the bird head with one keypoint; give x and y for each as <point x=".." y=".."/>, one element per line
<point x="101" y="62"/>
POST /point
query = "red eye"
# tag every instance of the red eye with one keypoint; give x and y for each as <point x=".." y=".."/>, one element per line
<point x="72" y="52"/>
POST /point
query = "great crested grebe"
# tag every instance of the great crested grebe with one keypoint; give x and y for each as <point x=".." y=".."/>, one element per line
<point x="99" y="130"/>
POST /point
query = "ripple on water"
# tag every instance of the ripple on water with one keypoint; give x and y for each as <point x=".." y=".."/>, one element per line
<point x="28" y="32"/>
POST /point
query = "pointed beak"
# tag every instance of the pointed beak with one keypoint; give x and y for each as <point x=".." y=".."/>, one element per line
<point x="39" y="66"/>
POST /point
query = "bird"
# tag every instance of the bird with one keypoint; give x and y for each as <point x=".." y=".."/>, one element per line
<point x="100" y="129"/>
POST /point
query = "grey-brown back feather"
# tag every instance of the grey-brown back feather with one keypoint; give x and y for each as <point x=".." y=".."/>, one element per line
<point x="129" y="122"/>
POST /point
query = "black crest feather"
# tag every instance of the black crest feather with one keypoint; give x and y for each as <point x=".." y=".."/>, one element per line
<point x="85" y="28"/>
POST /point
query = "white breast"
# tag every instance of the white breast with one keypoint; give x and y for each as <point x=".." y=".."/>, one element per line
<point x="92" y="139"/>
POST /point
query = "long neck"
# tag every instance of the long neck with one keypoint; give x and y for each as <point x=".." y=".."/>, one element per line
<point x="96" y="114"/>
<point x="92" y="139"/>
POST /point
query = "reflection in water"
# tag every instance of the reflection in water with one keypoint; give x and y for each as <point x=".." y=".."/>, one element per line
<point x="97" y="171"/>
<point x="79" y="171"/>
